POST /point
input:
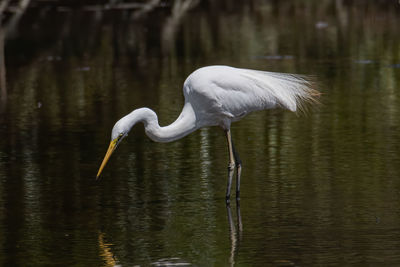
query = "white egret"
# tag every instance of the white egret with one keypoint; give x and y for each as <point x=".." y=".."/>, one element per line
<point x="218" y="96"/>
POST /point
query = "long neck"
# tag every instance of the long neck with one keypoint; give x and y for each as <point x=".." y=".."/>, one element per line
<point x="182" y="126"/>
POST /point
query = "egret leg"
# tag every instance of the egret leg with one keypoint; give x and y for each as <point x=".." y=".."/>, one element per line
<point x="231" y="165"/>
<point x="238" y="163"/>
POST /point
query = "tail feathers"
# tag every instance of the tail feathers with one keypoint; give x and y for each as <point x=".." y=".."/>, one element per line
<point x="291" y="91"/>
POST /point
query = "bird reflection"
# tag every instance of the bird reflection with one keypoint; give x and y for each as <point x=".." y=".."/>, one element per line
<point x="105" y="252"/>
<point x="235" y="232"/>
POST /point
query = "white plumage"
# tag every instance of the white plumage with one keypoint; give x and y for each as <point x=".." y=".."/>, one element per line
<point x="222" y="94"/>
<point x="218" y="96"/>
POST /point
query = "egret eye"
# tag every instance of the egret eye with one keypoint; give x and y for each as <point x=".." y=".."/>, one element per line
<point x="120" y="135"/>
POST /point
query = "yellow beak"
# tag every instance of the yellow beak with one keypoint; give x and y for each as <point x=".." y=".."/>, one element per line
<point x="111" y="148"/>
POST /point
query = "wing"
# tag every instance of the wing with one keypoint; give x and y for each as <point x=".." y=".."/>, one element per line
<point x="236" y="92"/>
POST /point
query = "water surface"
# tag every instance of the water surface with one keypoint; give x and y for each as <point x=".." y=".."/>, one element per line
<point x="318" y="189"/>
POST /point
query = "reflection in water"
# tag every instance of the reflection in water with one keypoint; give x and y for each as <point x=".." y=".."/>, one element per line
<point x="146" y="8"/>
<point x="174" y="261"/>
<point x="234" y="234"/>
<point x="18" y="12"/>
<point x="3" y="84"/>
<point x="205" y="161"/>
<point x="179" y="9"/>
<point x="317" y="190"/>
<point x="106" y="253"/>
<point x="6" y="29"/>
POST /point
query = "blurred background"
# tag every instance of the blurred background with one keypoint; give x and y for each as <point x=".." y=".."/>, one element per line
<point x="317" y="189"/>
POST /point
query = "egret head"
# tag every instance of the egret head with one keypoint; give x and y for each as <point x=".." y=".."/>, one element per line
<point x="119" y="132"/>
<point x="122" y="128"/>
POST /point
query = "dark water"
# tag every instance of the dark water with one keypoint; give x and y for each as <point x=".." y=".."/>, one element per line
<point x="317" y="190"/>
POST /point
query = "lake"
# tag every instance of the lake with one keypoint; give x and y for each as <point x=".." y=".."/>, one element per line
<point x="318" y="189"/>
